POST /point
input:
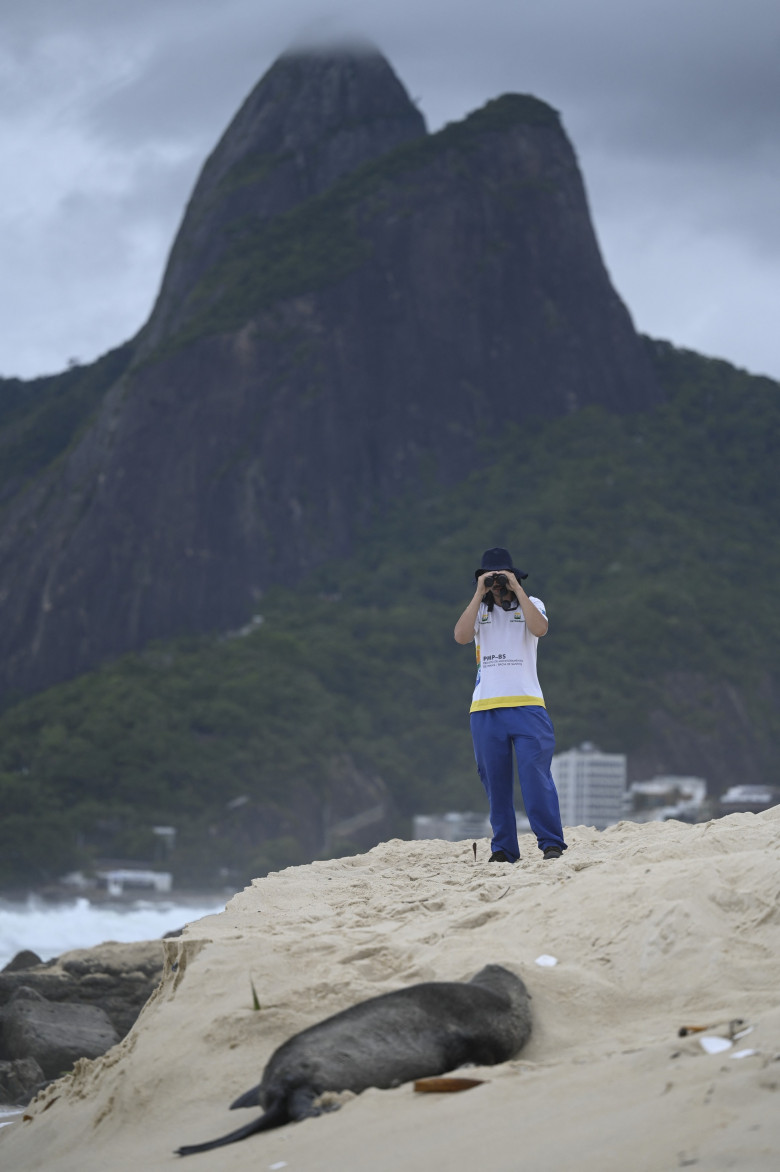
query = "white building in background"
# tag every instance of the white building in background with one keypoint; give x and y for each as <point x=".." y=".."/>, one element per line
<point x="666" y="797"/>
<point x="591" y="786"/>
<point x="749" y="798"/>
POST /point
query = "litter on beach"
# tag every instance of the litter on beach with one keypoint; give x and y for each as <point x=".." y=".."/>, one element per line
<point x="446" y="1085"/>
<point x="744" y="1053"/>
<point x="547" y="962"/>
<point x="713" y="1044"/>
<point x="339" y="930"/>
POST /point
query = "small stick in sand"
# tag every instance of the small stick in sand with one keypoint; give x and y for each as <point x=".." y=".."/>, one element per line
<point x="474" y="848"/>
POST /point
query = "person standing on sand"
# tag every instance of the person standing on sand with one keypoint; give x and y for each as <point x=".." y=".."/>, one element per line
<point x="508" y="708"/>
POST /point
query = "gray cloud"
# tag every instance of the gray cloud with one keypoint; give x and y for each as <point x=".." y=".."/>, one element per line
<point x="107" y="111"/>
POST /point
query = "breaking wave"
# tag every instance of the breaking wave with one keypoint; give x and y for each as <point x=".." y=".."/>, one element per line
<point x="51" y="929"/>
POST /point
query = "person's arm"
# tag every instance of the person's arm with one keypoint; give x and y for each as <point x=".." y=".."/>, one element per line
<point x="464" y="628"/>
<point x="535" y="621"/>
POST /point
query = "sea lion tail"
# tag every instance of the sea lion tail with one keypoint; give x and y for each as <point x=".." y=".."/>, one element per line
<point x="273" y="1118"/>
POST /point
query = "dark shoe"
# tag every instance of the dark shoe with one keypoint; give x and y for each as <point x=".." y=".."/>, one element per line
<point x="553" y="852"/>
<point x="499" y="857"/>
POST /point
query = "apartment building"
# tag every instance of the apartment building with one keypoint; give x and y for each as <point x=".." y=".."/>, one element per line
<point x="591" y="786"/>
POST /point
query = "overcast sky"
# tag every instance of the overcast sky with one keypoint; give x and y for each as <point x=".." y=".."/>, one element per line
<point x="108" y="110"/>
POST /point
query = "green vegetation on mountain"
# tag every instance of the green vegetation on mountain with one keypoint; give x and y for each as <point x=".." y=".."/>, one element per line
<point x="41" y="418"/>
<point x="651" y="539"/>
<point x="324" y="239"/>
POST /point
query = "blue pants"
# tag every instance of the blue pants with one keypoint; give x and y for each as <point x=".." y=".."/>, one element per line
<point x="530" y="730"/>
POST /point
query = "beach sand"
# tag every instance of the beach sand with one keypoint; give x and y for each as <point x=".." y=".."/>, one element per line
<point x="654" y="927"/>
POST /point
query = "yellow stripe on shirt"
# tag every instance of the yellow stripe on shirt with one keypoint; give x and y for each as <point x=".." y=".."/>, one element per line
<point x="507" y="702"/>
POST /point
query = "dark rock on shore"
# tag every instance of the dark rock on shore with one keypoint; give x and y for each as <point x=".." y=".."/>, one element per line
<point x="19" y="1081"/>
<point x="26" y="959"/>
<point x="76" y="1006"/>
<point x="55" y="1035"/>
<point x="118" y="978"/>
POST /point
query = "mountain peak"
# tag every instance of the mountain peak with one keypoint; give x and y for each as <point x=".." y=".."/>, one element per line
<point x="317" y="114"/>
<point x="351" y="310"/>
<point x="339" y="106"/>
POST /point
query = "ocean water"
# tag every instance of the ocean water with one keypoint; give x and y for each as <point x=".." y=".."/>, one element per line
<point x="51" y="929"/>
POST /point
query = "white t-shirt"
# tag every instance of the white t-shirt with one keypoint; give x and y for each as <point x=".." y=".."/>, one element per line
<point x="506" y="659"/>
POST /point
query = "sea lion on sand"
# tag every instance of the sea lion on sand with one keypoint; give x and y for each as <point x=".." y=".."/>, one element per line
<point x="413" y="1033"/>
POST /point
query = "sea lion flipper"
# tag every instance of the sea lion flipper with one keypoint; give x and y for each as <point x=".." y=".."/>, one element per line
<point x="273" y="1118"/>
<point x="249" y="1098"/>
<point x="301" y="1103"/>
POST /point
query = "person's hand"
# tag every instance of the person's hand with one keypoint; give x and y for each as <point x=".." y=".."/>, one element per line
<point x="481" y="587"/>
<point x="513" y="583"/>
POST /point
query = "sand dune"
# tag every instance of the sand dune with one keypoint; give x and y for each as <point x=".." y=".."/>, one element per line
<point x="654" y="927"/>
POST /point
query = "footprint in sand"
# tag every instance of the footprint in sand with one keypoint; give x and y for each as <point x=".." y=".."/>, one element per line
<point x="379" y="962"/>
<point x="477" y="921"/>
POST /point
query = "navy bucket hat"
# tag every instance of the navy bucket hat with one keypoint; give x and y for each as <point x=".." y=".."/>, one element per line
<point x="498" y="559"/>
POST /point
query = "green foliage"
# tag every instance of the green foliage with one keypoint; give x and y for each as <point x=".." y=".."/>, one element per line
<point x="253" y="168"/>
<point x="40" y="418"/>
<point x="496" y="116"/>
<point x="316" y="244"/>
<point x="276" y="854"/>
<point x="325" y="238"/>
<point x="651" y="539"/>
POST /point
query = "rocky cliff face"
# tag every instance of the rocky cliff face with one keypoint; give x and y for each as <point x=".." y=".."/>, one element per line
<point x="312" y="119"/>
<point x="351" y="306"/>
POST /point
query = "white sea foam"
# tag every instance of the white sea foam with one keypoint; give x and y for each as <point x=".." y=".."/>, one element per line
<point x="51" y="929"/>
